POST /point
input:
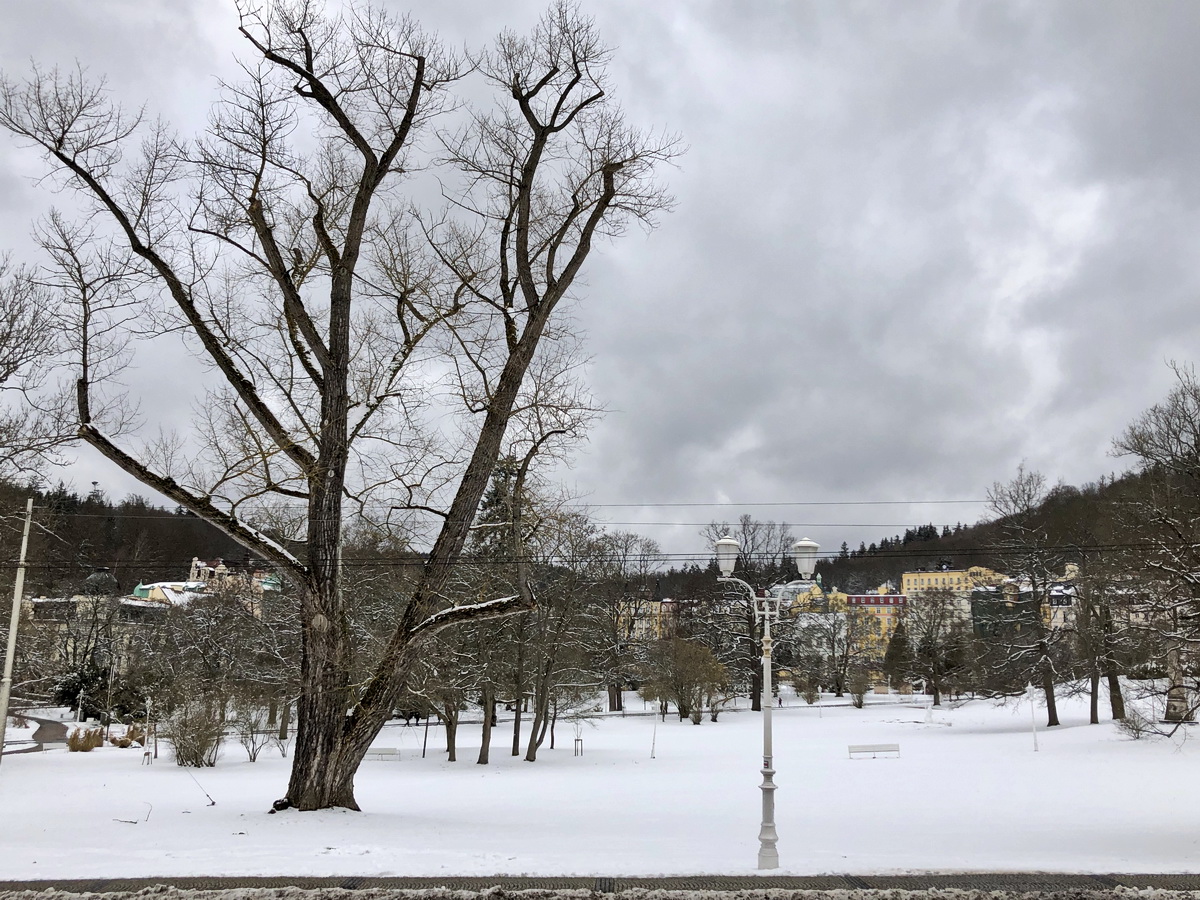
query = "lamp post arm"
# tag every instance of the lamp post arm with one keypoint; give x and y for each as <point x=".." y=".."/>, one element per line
<point x="731" y="580"/>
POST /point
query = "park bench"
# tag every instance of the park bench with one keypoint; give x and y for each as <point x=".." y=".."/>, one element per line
<point x="383" y="753"/>
<point x="873" y="749"/>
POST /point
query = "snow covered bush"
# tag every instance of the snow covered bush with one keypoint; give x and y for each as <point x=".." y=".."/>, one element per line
<point x="195" y="731"/>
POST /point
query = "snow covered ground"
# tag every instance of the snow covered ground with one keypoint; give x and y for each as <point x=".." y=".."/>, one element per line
<point x="968" y="793"/>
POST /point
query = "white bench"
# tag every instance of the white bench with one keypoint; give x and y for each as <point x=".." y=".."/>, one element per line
<point x="383" y="753"/>
<point x="873" y="749"/>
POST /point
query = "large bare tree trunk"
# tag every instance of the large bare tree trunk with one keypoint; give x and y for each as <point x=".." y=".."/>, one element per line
<point x="1094" y="699"/>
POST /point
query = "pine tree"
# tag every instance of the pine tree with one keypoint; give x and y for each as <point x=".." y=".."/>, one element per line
<point x="898" y="658"/>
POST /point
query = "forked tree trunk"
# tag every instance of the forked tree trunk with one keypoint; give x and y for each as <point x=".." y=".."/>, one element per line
<point x="541" y="719"/>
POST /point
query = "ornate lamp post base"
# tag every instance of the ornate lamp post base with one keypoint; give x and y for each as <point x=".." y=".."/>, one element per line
<point x="768" y="855"/>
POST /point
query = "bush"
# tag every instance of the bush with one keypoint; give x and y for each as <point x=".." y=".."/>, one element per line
<point x="860" y="684"/>
<point x="194" y="731"/>
<point x="807" y="687"/>
<point x="84" y="740"/>
<point x="250" y="721"/>
<point x="135" y="735"/>
<point x="1135" y="726"/>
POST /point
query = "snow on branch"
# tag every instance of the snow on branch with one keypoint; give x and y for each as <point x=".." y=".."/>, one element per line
<point x="472" y="612"/>
<point x="248" y="537"/>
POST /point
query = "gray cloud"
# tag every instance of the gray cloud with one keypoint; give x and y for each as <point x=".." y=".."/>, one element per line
<point x="914" y="244"/>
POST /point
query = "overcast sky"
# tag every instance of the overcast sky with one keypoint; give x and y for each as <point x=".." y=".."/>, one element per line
<point x="914" y="245"/>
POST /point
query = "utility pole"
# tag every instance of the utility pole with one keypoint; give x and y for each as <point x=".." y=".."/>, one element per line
<point x="18" y="587"/>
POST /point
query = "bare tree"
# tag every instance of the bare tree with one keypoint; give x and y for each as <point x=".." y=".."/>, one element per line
<point x="33" y="426"/>
<point x="1164" y="514"/>
<point x="937" y="629"/>
<point x="1027" y="645"/>
<point x="624" y="594"/>
<point x="282" y="245"/>
<point x="839" y="636"/>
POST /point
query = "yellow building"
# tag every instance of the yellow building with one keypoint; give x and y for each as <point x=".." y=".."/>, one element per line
<point x="885" y="611"/>
<point x="643" y="618"/>
<point x="957" y="580"/>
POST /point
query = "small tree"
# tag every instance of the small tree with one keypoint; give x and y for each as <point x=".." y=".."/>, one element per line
<point x="250" y="722"/>
<point x="195" y="732"/>
<point x="898" y="658"/>
<point x="859" y="684"/>
<point x="684" y="673"/>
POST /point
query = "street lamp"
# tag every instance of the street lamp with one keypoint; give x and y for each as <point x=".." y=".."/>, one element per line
<point x="766" y="608"/>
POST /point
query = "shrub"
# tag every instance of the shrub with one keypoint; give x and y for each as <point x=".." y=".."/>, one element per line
<point x="194" y="731"/>
<point x="1135" y="726"/>
<point x="807" y="686"/>
<point x="84" y="740"/>
<point x="250" y="721"/>
<point x="134" y="735"/>
<point x="860" y="684"/>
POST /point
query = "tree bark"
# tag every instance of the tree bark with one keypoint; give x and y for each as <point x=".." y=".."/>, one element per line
<point x="519" y="684"/>
<point x="451" y="723"/>
<point x="1116" y="701"/>
<point x="1094" y="698"/>
<point x="285" y="718"/>
<point x="488" y="703"/>
<point x="1051" y="706"/>
<point x="615" y="698"/>
<point x="1178" y="709"/>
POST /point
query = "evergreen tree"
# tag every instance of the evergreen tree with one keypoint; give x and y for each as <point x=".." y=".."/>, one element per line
<point x="898" y="658"/>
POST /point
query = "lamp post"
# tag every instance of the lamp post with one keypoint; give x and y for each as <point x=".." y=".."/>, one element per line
<point x="766" y="608"/>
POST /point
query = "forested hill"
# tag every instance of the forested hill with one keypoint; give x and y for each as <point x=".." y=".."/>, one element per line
<point x="1074" y="524"/>
<point x="1071" y="524"/>
<point x="73" y="535"/>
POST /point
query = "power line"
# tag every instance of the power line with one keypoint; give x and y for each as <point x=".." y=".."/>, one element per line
<point x="476" y="562"/>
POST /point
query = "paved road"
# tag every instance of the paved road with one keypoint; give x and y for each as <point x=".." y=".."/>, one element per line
<point x="1013" y="882"/>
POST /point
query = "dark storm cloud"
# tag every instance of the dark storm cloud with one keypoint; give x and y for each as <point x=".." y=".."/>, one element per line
<point x="914" y="244"/>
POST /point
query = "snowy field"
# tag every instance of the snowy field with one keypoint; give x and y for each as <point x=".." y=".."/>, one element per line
<point x="968" y="793"/>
